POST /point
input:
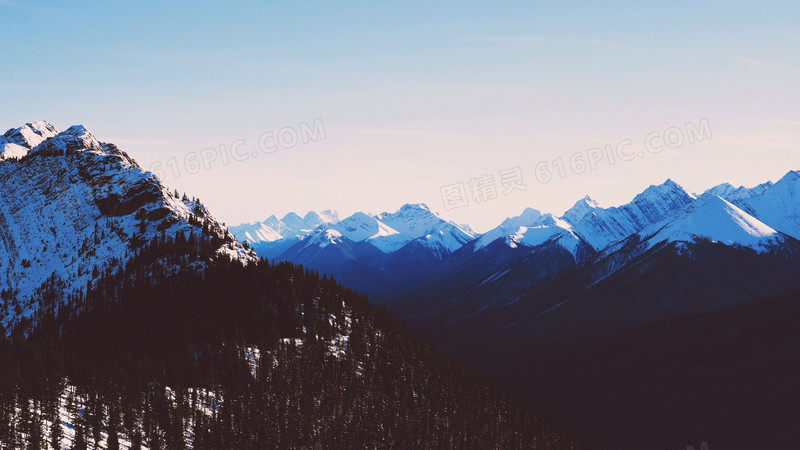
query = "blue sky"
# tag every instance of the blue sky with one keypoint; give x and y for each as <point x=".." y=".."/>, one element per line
<point x="414" y="96"/>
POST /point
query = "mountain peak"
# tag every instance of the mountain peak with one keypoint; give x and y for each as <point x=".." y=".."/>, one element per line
<point x="716" y="219"/>
<point x="311" y="215"/>
<point x="528" y="218"/>
<point x="77" y="205"/>
<point x="16" y="142"/>
<point x="408" y="211"/>
<point x="415" y="206"/>
<point x="531" y="212"/>
<point x="31" y="134"/>
<point x="721" y="189"/>
<point x="74" y="138"/>
<point x="666" y="189"/>
<point x="291" y="216"/>
<point x="76" y="130"/>
<point x="586" y="201"/>
<point x="791" y="177"/>
<point x="580" y="209"/>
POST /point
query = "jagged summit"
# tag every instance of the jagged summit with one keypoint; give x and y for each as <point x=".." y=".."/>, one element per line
<point x="713" y="218"/>
<point x="532" y="229"/>
<point x="601" y="227"/>
<point x="16" y="142"/>
<point x="74" y="138"/>
<point x="313" y="219"/>
<point x="791" y="176"/>
<point x="580" y="209"/>
<point x="528" y="217"/>
<point x="415" y="206"/>
<point x="71" y="208"/>
<point x="666" y="191"/>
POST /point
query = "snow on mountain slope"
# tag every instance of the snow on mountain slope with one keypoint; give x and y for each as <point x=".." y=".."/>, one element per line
<point x="777" y="205"/>
<point x="291" y="226"/>
<point x="603" y="226"/>
<point x="417" y="221"/>
<point x="531" y="229"/>
<point x="389" y="232"/>
<point x="73" y="207"/>
<point x="469" y="229"/>
<point x="16" y="142"/>
<point x="255" y="232"/>
<point x="313" y="219"/>
<point x="324" y="238"/>
<point x="713" y="218"/>
<point x="303" y="226"/>
<point x="732" y="194"/>
<point x="363" y="227"/>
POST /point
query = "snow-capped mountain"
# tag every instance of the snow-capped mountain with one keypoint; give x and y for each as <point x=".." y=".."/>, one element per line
<point x="368" y="251"/>
<point x="387" y="232"/>
<point x="16" y="142"/>
<point x="72" y="207"/>
<point x="291" y="226"/>
<point x="418" y="222"/>
<point x="603" y="226"/>
<point x="730" y="193"/>
<point x="714" y="219"/>
<point x="413" y="247"/>
<point x="531" y="229"/>
<point x="303" y="226"/>
<point x="776" y="204"/>
<point x="273" y="236"/>
<point x="363" y="227"/>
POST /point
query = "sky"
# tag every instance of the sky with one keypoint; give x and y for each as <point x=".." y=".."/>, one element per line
<point x="477" y="109"/>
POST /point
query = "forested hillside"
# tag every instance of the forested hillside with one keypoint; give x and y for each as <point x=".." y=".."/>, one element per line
<point x="178" y="350"/>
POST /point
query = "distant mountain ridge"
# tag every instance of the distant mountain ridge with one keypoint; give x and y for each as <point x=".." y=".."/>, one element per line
<point x="387" y="232"/>
<point x="416" y="244"/>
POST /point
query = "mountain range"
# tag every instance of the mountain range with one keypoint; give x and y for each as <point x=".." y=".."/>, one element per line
<point x="667" y="320"/>
<point x="536" y="300"/>
<point x="131" y="318"/>
<point x="379" y="253"/>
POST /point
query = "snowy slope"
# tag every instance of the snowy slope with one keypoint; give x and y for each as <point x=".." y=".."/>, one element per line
<point x="291" y="226"/>
<point x="324" y="238"/>
<point x="714" y="218"/>
<point x="734" y="194"/>
<point x="531" y="229"/>
<point x="255" y="232"/>
<point x="303" y="226"/>
<point x="16" y="142"/>
<point x="389" y="232"/>
<point x="363" y="227"/>
<point x="603" y="226"/>
<point x="74" y="207"/>
<point x="417" y="221"/>
<point x="776" y="204"/>
<point x="272" y="237"/>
